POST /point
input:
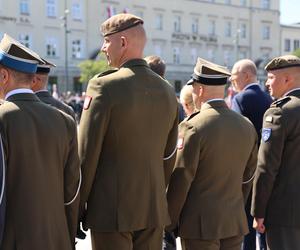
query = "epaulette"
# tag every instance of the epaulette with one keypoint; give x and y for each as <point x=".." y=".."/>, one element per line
<point x="192" y="115"/>
<point x="107" y="72"/>
<point x="281" y="101"/>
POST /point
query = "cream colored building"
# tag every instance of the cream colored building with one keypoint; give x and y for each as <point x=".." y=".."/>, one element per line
<point x="179" y="31"/>
<point x="290" y="38"/>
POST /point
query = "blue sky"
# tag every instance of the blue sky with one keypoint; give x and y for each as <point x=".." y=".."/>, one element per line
<point x="290" y="11"/>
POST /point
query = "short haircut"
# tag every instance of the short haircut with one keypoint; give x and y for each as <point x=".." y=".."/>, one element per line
<point x="156" y="64"/>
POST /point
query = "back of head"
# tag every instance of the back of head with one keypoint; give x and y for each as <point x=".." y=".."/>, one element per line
<point x="156" y="64"/>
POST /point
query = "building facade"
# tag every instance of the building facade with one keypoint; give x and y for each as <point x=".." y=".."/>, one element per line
<point x="290" y="38"/>
<point x="222" y="31"/>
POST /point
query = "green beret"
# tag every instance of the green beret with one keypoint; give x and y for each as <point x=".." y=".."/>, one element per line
<point x="283" y="62"/>
<point x="119" y="23"/>
<point x="209" y="73"/>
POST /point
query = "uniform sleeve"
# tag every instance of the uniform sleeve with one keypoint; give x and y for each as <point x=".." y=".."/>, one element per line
<point x="269" y="160"/>
<point x="92" y="129"/>
<point x="170" y="151"/>
<point x="249" y="172"/>
<point x="72" y="180"/>
<point x="186" y="165"/>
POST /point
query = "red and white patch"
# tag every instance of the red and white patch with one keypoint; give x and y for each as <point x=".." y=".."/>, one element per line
<point x="180" y="143"/>
<point x="87" y="102"/>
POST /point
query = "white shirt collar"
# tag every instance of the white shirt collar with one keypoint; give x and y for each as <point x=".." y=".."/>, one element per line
<point x="214" y="100"/>
<point x="18" y="91"/>
<point x="291" y="91"/>
<point x="251" y="84"/>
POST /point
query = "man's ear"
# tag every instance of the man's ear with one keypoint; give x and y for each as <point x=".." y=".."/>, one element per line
<point x="3" y="75"/>
<point x="124" y="42"/>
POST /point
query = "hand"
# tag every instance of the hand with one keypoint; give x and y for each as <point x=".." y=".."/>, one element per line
<point x="258" y="225"/>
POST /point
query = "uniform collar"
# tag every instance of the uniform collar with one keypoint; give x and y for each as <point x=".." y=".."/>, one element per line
<point x="291" y="92"/>
<point x="18" y="91"/>
<point x="135" y="62"/>
<point x="251" y="85"/>
<point x="214" y="103"/>
<point x="43" y="93"/>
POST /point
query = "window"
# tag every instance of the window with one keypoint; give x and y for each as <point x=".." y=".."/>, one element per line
<point x="265" y="4"/>
<point x="24" y="7"/>
<point x="195" y="25"/>
<point x="159" y="21"/>
<point x="158" y="50"/>
<point x="77" y="10"/>
<point x="51" y="8"/>
<point x="194" y="55"/>
<point x="211" y="55"/>
<point x="243" y="2"/>
<point x="228" y="57"/>
<point x="227" y="1"/>
<point x="25" y="39"/>
<point x="211" y="27"/>
<point x="228" y="29"/>
<point x="296" y="44"/>
<point x="266" y="32"/>
<point x="243" y="30"/>
<point x="177" y="23"/>
<point x="77" y="49"/>
<point x="242" y="54"/>
<point x="176" y="55"/>
<point x="52" y="47"/>
<point x="287" y="45"/>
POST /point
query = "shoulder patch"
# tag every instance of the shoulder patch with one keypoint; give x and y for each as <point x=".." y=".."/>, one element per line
<point x="266" y="134"/>
<point x="281" y="101"/>
<point x="87" y="102"/>
<point x="107" y="72"/>
<point x="192" y="115"/>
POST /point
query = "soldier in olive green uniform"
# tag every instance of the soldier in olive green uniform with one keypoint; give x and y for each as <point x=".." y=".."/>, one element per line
<point x="40" y="149"/>
<point x="39" y="87"/>
<point x="217" y="150"/>
<point x="276" y="189"/>
<point x="128" y="126"/>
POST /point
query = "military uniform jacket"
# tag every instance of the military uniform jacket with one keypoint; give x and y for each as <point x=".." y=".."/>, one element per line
<point x="128" y="125"/>
<point x="45" y="97"/>
<point x="217" y="150"/>
<point x="40" y="146"/>
<point x="276" y="187"/>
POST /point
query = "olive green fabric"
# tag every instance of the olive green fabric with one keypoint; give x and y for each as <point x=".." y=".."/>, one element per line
<point x="283" y="62"/>
<point x="217" y="150"/>
<point x="120" y="22"/>
<point x="128" y="125"/>
<point x="42" y="161"/>
<point x="276" y="185"/>
<point x="45" y="97"/>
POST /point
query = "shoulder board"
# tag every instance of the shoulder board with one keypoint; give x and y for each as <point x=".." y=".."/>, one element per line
<point x="281" y="101"/>
<point x="107" y="72"/>
<point x="192" y="115"/>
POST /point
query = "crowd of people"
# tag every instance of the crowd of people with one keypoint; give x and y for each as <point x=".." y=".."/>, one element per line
<point x="142" y="168"/>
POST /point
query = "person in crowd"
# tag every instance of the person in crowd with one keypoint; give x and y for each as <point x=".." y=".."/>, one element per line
<point x="41" y="156"/>
<point x="252" y="102"/>
<point x="156" y="64"/>
<point x="39" y="87"/>
<point x="186" y="99"/>
<point x="275" y="203"/>
<point x="206" y="195"/>
<point x="127" y="144"/>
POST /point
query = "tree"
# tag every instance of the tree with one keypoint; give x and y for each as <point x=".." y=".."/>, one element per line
<point x="90" y="68"/>
<point x="297" y="52"/>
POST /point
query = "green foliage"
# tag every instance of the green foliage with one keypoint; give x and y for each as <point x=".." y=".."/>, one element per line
<point x="297" y="52"/>
<point x="90" y="68"/>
